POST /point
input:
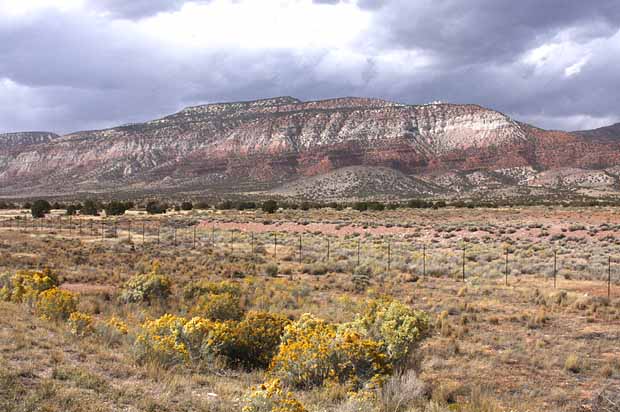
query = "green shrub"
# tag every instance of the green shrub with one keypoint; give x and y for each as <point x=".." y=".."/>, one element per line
<point x="398" y="327"/>
<point x="196" y="289"/>
<point x="271" y="270"/>
<point x="116" y="208"/>
<point x="155" y="208"/>
<point x="146" y="287"/>
<point x="316" y="269"/>
<point x="40" y="208"/>
<point x="187" y="206"/>
<point x="270" y="206"/>
<point x="222" y="306"/>
<point x="91" y="208"/>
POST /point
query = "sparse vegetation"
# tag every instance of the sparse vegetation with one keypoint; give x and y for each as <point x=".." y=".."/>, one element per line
<point x="255" y="328"/>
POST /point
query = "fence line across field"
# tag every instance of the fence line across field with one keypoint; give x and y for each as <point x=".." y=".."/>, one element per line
<point x="151" y="233"/>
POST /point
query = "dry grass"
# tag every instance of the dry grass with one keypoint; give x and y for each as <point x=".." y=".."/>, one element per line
<point x="524" y="346"/>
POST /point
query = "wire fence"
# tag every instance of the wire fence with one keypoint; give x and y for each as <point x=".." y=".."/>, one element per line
<point x="459" y="260"/>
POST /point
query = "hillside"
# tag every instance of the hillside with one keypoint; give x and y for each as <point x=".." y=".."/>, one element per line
<point x="266" y="145"/>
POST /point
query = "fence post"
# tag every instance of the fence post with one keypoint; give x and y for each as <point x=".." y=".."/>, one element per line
<point x="506" y="270"/>
<point x="358" y="251"/>
<point x="275" y="246"/>
<point x="252" y="243"/>
<point x="555" y="267"/>
<point x="328" y="248"/>
<point x="609" y="278"/>
<point x="232" y="241"/>
<point x="463" y="264"/>
<point x="389" y="260"/>
<point x="424" y="260"/>
<point x="253" y="254"/>
<point x="158" y="229"/>
<point x="102" y="229"/>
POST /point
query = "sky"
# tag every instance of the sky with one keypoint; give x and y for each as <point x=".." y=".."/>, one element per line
<point x="69" y="65"/>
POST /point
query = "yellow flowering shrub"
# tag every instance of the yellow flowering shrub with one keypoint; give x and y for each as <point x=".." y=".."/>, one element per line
<point x="314" y="352"/>
<point x="271" y="397"/>
<point x="118" y="325"/>
<point x="56" y="304"/>
<point x="224" y="306"/>
<point x="256" y="339"/>
<point x="200" y="341"/>
<point x="160" y="341"/>
<point x="196" y="289"/>
<point x="206" y="340"/>
<point x="146" y="287"/>
<point x="398" y="327"/>
<point x="81" y="324"/>
<point x="25" y="286"/>
<point x="5" y="285"/>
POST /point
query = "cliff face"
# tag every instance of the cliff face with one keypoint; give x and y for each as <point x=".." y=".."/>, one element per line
<point x="267" y="142"/>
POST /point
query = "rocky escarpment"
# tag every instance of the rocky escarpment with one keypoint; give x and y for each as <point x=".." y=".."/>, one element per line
<point x="21" y="139"/>
<point x="263" y="144"/>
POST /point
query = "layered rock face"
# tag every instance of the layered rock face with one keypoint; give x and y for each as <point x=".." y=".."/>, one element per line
<point x="267" y="142"/>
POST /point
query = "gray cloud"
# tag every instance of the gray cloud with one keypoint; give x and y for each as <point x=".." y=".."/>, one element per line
<point x="136" y="9"/>
<point x="73" y="71"/>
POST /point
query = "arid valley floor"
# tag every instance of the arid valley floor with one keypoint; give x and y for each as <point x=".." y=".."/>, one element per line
<point x="501" y="336"/>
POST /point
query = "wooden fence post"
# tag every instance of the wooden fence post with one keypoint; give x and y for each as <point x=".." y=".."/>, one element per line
<point x="328" y="248"/>
<point x="506" y="269"/>
<point x="463" y="264"/>
<point x="555" y="267"/>
<point x="609" y="278"/>
<point x="389" y="257"/>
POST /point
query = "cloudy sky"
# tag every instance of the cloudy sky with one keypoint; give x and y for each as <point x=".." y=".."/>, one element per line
<point x="68" y="65"/>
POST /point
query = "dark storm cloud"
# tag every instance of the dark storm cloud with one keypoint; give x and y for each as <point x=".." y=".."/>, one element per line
<point x="489" y="30"/>
<point x="66" y="71"/>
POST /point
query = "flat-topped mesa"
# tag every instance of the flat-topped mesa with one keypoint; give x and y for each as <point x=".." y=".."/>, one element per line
<point x="13" y="140"/>
<point x="222" y="108"/>
<point x="271" y="141"/>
